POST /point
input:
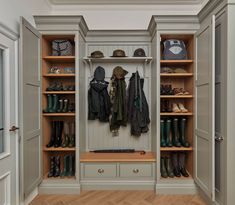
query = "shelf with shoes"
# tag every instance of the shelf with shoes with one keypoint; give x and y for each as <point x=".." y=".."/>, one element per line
<point x="60" y="75"/>
<point x="60" y="92"/>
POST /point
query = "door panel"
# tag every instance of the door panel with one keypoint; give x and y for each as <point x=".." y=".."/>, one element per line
<point x="30" y="89"/>
<point x="204" y="132"/>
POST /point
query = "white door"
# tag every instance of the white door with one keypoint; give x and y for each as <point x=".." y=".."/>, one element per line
<point x="8" y="119"/>
<point x="30" y="108"/>
<point x="205" y="92"/>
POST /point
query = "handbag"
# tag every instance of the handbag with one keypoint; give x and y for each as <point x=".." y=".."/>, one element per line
<point x="62" y="48"/>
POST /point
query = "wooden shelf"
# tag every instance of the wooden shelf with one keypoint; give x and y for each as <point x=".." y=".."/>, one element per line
<point x="58" y="75"/>
<point x="118" y="60"/>
<point x="59" y="178"/>
<point x="59" y="58"/>
<point x="59" y="114"/>
<point x="176" y="74"/>
<point x="176" y="62"/>
<point x="59" y="149"/>
<point x="177" y="178"/>
<point x="169" y="149"/>
<point x="176" y="96"/>
<point x="60" y="92"/>
<point x="118" y="157"/>
<point x="176" y="114"/>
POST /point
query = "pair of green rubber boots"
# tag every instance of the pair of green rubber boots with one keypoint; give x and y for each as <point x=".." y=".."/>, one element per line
<point x="173" y="133"/>
<point x="69" y="166"/>
<point x="69" y="137"/>
<point x="166" y="167"/>
<point x="54" y="104"/>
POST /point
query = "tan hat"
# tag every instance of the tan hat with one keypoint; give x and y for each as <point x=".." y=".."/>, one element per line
<point x="97" y="54"/>
<point x="119" y="53"/>
<point x="119" y="72"/>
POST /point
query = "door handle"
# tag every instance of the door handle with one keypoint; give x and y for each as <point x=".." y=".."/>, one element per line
<point x="14" y="128"/>
<point x="219" y="138"/>
<point x="1" y="129"/>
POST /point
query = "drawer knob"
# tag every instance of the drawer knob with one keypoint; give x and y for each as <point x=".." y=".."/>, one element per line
<point x="135" y="171"/>
<point x="100" y="171"/>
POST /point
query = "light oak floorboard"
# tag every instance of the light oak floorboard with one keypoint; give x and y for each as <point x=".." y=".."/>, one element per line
<point x="118" y="198"/>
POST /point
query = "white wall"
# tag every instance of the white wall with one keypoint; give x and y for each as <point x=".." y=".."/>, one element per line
<point x="11" y="10"/>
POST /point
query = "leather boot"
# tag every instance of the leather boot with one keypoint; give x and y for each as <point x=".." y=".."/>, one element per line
<point x="53" y="134"/>
<point x="57" y="166"/>
<point x="162" y="130"/>
<point x="49" y="104"/>
<point x="55" y="103"/>
<point x="66" y="103"/>
<point x="163" y="168"/>
<point x="183" y="139"/>
<point x="175" y="163"/>
<point x="163" y="108"/>
<point x="168" y="106"/>
<point x="72" y="135"/>
<point x="182" y="161"/>
<point x="58" y="139"/>
<point x="175" y="133"/>
<point x="168" y="133"/>
<point x="169" y="167"/>
<point x="60" y="109"/>
<point x="71" y="165"/>
<point x="66" y="135"/>
<point x="65" y="171"/>
<point x="52" y="167"/>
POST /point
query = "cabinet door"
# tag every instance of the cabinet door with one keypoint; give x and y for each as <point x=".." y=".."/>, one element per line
<point x="205" y="92"/>
<point x="30" y="108"/>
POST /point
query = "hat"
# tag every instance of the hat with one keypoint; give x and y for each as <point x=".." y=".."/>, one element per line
<point x="119" y="72"/>
<point x="119" y="53"/>
<point x="99" y="73"/>
<point x="139" y="53"/>
<point x="97" y="54"/>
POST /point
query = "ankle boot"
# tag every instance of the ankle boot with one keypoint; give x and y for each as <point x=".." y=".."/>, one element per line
<point x="57" y="166"/>
<point x="49" y="104"/>
<point x="60" y="109"/>
<point x="65" y="171"/>
<point x="71" y="165"/>
<point x="168" y="133"/>
<point x="163" y="108"/>
<point x="66" y="135"/>
<point x="52" y="167"/>
<point x="182" y="127"/>
<point x="55" y="103"/>
<point x="66" y="103"/>
<point x="168" y="106"/>
<point x="182" y="161"/>
<point x="175" y="133"/>
<point x="163" y="168"/>
<point x="175" y="108"/>
<point x="58" y="139"/>
<point x="72" y="135"/>
<point x="53" y="134"/>
<point x="175" y="163"/>
<point x="169" y="167"/>
<point x="162" y="130"/>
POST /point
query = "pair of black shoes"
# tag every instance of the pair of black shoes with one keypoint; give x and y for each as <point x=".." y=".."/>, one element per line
<point x="54" y="167"/>
<point x="58" y="86"/>
<point x="166" y="89"/>
<point x="174" y="166"/>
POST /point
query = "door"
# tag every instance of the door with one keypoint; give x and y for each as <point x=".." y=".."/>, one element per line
<point x="8" y="119"/>
<point x="204" y="127"/>
<point x="30" y="108"/>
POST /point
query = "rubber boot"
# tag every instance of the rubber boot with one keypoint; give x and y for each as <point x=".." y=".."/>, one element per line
<point x="169" y="167"/>
<point x="182" y="161"/>
<point x="66" y="105"/>
<point x="52" y="167"/>
<point x="55" y="103"/>
<point x="66" y="135"/>
<point x="183" y="139"/>
<point x="162" y="130"/>
<point x="168" y="133"/>
<point x="58" y="139"/>
<point x="57" y="166"/>
<point x="175" y="133"/>
<point x="163" y="168"/>
<point x="49" y="104"/>
<point x="60" y="109"/>
<point x="66" y="166"/>
<point x="175" y="163"/>
<point x="71" y="165"/>
<point x="53" y="134"/>
<point x="72" y="135"/>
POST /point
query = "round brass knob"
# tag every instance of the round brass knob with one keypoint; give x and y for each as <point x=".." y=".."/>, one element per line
<point x="100" y="171"/>
<point x="135" y="171"/>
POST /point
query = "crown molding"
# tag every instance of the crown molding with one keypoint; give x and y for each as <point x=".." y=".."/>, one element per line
<point x="9" y="33"/>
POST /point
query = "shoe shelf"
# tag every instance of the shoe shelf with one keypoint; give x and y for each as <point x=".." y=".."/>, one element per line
<point x="59" y="178"/>
<point x="172" y="149"/>
<point x="169" y="180"/>
<point x="59" y="114"/>
<point x="59" y="58"/>
<point x="176" y="96"/>
<point x="59" y="149"/>
<point x="176" y="74"/>
<point x="176" y="114"/>
<point x="176" y="62"/>
<point x="60" y="92"/>
<point x="61" y="75"/>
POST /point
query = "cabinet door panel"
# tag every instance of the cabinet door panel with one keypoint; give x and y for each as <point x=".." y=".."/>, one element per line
<point x="205" y="91"/>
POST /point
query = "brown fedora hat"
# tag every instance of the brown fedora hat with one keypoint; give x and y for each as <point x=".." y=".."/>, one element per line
<point x="119" y="53"/>
<point x="96" y="54"/>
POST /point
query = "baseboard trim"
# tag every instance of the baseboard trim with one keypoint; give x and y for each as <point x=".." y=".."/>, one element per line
<point x="47" y="188"/>
<point x="117" y="185"/>
<point x="31" y="196"/>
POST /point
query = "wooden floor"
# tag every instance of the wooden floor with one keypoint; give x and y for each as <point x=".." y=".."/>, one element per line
<point x="117" y="197"/>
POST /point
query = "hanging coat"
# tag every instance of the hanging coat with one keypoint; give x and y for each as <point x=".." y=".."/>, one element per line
<point x="137" y="105"/>
<point x="99" y="105"/>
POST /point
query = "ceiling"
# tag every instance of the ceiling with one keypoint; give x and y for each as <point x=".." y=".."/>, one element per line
<point x="127" y="2"/>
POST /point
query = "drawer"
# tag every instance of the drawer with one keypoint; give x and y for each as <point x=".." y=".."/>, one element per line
<point x="136" y="170"/>
<point x="99" y="170"/>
